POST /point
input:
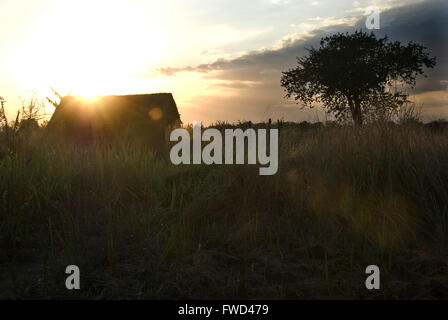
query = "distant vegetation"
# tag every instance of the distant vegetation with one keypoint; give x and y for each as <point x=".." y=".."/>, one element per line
<point x="138" y="227"/>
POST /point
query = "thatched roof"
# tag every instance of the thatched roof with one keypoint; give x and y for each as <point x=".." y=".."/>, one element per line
<point x="110" y="114"/>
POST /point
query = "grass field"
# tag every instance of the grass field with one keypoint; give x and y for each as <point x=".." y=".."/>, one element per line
<point x="139" y="227"/>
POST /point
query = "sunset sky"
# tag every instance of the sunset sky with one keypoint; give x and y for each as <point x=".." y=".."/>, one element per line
<point x="222" y="60"/>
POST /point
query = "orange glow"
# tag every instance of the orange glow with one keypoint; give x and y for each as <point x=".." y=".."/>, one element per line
<point x="156" y="114"/>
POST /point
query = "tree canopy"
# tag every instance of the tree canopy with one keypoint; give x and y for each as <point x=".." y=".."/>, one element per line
<point x="351" y="73"/>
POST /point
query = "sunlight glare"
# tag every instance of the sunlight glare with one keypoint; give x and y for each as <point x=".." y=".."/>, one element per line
<point x="91" y="51"/>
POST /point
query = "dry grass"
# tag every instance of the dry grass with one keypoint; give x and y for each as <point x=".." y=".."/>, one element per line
<point x="141" y="228"/>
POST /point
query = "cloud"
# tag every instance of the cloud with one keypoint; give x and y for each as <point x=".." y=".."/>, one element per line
<point x="255" y="75"/>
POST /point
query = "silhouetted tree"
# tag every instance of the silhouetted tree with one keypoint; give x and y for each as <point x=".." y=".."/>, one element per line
<point x="3" y="113"/>
<point x="32" y="108"/>
<point x="8" y="131"/>
<point x="350" y="73"/>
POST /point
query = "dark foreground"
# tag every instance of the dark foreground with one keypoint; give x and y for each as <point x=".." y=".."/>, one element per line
<point x="142" y="228"/>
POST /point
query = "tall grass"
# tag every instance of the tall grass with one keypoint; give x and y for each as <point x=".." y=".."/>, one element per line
<point x="139" y="227"/>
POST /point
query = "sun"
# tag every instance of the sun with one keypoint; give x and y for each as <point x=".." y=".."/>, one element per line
<point x="86" y="49"/>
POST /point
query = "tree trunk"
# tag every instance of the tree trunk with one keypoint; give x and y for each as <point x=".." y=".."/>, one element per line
<point x="357" y="115"/>
<point x="355" y="109"/>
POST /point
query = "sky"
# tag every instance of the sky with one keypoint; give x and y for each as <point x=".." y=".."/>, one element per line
<point x="222" y="60"/>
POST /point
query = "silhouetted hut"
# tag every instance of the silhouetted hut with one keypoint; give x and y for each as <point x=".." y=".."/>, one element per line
<point x="144" y="117"/>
